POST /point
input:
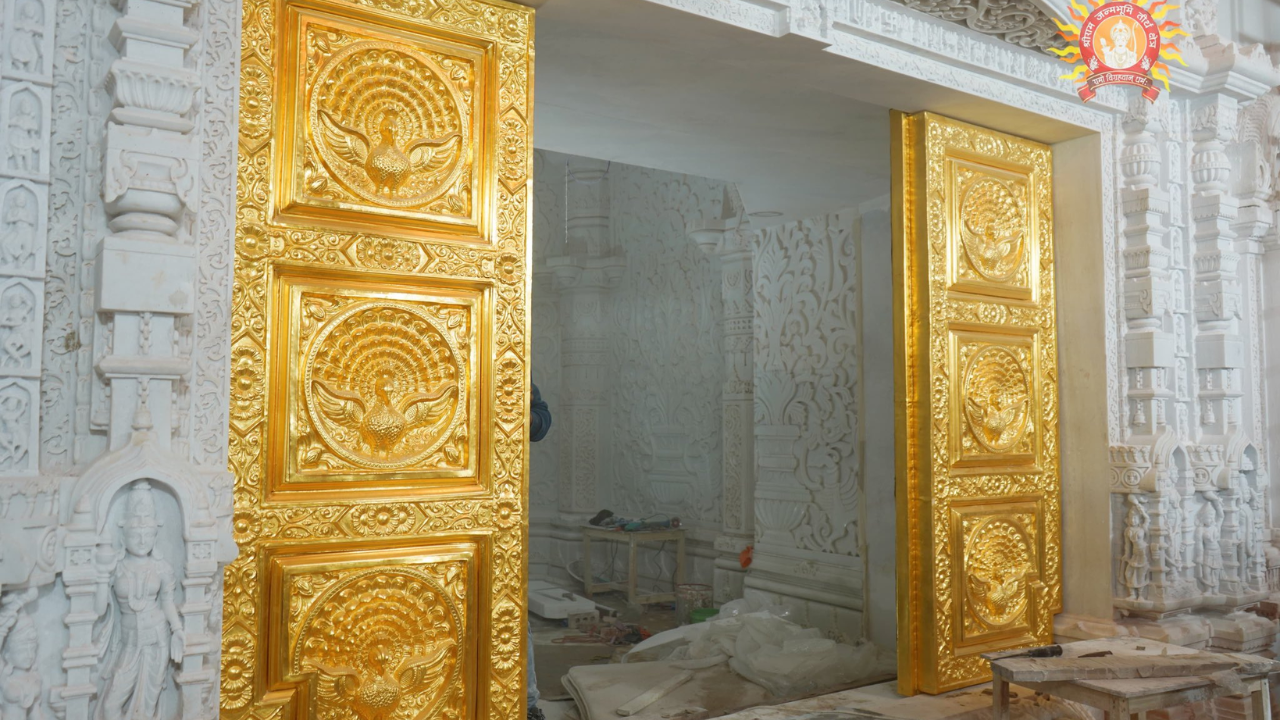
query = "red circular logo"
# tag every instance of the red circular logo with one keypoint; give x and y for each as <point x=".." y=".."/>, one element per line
<point x="1119" y="36"/>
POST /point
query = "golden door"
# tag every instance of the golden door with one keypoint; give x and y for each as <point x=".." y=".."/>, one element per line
<point x="979" y="553"/>
<point x="379" y="353"/>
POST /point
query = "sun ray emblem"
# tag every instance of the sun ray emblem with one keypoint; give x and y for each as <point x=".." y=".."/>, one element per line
<point x="1119" y="42"/>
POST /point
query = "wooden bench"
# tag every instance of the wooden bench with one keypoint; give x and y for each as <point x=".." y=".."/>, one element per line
<point x="632" y="540"/>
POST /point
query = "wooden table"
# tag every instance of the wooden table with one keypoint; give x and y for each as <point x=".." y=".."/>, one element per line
<point x="632" y="540"/>
<point x="1131" y="699"/>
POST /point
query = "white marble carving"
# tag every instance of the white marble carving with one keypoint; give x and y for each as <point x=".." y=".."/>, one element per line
<point x="24" y="115"/>
<point x="626" y="352"/>
<point x="1020" y="22"/>
<point x="806" y="354"/>
<point x="1136" y="561"/>
<point x="138" y="391"/>
<point x="136" y="597"/>
<point x="30" y="40"/>
<point x="115" y="558"/>
<point x="21" y="687"/>
<point x="23" y="227"/>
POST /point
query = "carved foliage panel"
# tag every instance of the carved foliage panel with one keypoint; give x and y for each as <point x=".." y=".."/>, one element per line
<point x="388" y="323"/>
<point x="806" y="358"/>
<point x="981" y="288"/>
<point x="666" y="314"/>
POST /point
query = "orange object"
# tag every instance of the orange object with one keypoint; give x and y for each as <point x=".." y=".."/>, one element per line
<point x="744" y="557"/>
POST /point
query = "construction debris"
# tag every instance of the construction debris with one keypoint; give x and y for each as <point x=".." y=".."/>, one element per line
<point x="1123" y="677"/>
<point x="1113" y="667"/>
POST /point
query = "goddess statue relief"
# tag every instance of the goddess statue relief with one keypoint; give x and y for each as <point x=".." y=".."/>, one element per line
<point x="1208" y="543"/>
<point x="142" y="633"/>
<point x="20" y="682"/>
<point x="1136" y="561"/>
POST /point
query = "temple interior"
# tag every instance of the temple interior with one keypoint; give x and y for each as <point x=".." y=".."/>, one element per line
<point x="656" y="336"/>
<point x="656" y="359"/>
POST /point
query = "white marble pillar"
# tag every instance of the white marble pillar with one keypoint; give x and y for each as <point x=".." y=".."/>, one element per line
<point x="585" y="275"/>
<point x="730" y="239"/>
<point x="1144" y="520"/>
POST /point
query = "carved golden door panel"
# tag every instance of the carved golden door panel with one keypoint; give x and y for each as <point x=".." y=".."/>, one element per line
<point x="379" y="353"/>
<point x="979" y="556"/>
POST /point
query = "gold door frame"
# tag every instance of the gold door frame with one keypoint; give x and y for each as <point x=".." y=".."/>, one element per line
<point x="380" y="324"/>
<point x="975" y="390"/>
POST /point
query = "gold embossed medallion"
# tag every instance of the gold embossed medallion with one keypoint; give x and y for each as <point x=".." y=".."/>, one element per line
<point x="380" y="362"/>
<point x="382" y="124"/>
<point x="979" y="554"/>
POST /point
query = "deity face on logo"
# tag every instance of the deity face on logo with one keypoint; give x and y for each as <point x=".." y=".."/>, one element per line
<point x="1119" y="43"/>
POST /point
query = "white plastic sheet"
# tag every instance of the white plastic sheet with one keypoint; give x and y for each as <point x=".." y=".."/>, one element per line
<point x="764" y="647"/>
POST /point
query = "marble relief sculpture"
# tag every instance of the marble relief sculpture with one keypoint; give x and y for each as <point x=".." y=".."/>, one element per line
<point x="19" y="230"/>
<point x="1257" y="566"/>
<point x="24" y="135"/>
<point x="1136" y="559"/>
<point x="25" y="46"/>
<point x="1209" y="543"/>
<point x="142" y="631"/>
<point x="15" y="404"/>
<point x="21" y="688"/>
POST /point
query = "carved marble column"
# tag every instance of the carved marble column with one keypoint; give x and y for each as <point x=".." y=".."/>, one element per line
<point x="584" y="276"/>
<point x="146" y="273"/>
<point x="1219" y="348"/>
<point x="146" y="277"/>
<point x="26" y="80"/>
<point x="1148" y="474"/>
<point x="731" y="240"/>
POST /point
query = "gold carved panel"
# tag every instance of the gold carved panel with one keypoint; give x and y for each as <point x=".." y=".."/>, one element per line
<point x="995" y="401"/>
<point x="979" y="552"/>
<point x="992" y="229"/>
<point x="381" y="125"/>
<point x="380" y="325"/>
<point x="377" y="378"/>
<point x="1000" y="567"/>
<point x="381" y="633"/>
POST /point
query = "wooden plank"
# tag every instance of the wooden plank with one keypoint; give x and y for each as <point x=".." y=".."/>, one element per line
<point x="1111" y="667"/>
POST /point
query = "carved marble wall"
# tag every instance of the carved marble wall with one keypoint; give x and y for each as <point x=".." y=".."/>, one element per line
<point x="708" y="317"/>
<point x="116" y="205"/>
<point x="623" y="262"/>
<point x="807" y="357"/>
<point x="1192" y="496"/>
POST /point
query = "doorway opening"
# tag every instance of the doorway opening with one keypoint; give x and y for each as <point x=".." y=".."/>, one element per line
<point x="713" y="332"/>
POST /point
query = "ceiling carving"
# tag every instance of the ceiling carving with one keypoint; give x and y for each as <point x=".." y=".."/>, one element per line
<point x="1021" y="22"/>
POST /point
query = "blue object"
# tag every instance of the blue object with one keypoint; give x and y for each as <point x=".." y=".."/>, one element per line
<point x="539" y="417"/>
